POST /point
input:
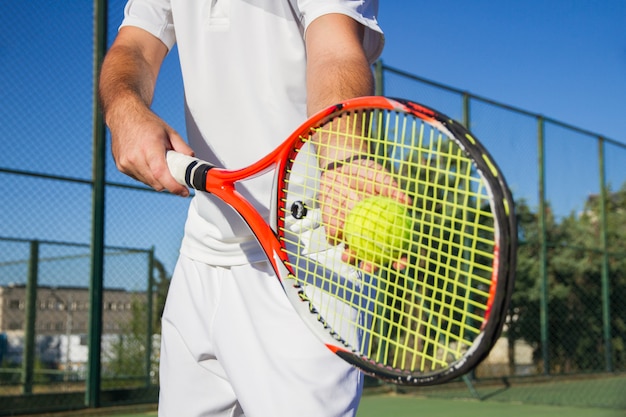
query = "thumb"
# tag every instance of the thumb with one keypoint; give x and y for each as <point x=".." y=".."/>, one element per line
<point x="179" y="144"/>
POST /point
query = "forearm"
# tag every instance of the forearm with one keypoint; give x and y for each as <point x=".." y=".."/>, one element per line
<point x="334" y="79"/>
<point x="129" y="73"/>
<point x="126" y="84"/>
<point x="337" y="70"/>
<point x="344" y="79"/>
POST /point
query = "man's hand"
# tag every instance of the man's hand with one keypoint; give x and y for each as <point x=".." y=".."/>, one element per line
<point x="139" y="137"/>
<point x="139" y="141"/>
<point x="343" y="187"/>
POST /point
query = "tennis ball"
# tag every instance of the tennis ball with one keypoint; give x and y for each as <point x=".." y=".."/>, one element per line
<point x="378" y="229"/>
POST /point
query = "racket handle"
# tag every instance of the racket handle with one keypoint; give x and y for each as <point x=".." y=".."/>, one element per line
<point x="188" y="170"/>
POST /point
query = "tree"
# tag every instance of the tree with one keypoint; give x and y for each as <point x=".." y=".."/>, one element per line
<point x="574" y="271"/>
<point x="162" y="284"/>
<point x="127" y="356"/>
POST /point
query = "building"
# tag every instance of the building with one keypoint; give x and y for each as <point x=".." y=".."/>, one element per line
<point x="64" y="310"/>
<point x="61" y="322"/>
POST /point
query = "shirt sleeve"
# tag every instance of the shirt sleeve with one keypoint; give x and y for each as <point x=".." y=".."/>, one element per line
<point x="363" y="11"/>
<point x="153" y="16"/>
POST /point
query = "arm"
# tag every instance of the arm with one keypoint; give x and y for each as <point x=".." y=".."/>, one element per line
<point x="126" y="88"/>
<point x="337" y="69"/>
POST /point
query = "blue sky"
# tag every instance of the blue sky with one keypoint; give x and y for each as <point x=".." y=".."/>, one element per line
<point x="565" y="59"/>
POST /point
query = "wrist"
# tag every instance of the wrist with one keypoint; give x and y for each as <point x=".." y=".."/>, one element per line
<point x="339" y="163"/>
<point x="122" y="108"/>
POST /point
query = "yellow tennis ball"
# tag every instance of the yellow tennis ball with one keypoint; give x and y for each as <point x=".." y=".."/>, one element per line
<point x="378" y="229"/>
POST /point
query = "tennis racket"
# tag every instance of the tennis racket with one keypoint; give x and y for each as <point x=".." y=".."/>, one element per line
<point x="429" y="308"/>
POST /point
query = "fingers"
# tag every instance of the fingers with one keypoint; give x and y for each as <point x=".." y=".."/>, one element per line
<point x="179" y="145"/>
<point x="370" y="178"/>
<point x="139" y="152"/>
<point x="349" y="256"/>
<point x="341" y="189"/>
<point x="337" y="198"/>
<point x="163" y="178"/>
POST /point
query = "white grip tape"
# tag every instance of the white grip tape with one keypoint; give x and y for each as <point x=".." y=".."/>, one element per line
<point x="178" y="163"/>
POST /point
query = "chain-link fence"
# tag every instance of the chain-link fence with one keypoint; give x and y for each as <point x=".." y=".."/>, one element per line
<point x="567" y="314"/>
<point x="79" y="304"/>
<point x="77" y="328"/>
<point x="45" y="316"/>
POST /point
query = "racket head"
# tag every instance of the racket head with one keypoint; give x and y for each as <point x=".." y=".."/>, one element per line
<point x="436" y="311"/>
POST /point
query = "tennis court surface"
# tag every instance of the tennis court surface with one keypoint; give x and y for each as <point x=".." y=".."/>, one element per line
<point x="556" y="396"/>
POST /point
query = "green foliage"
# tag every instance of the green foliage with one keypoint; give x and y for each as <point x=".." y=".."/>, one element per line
<point x="127" y="356"/>
<point x="574" y="267"/>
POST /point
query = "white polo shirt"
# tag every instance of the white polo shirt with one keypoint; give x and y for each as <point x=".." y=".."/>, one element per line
<point x="243" y="64"/>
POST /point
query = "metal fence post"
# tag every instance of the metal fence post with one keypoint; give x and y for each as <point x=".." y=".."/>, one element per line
<point x="149" y="317"/>
<point x="466" y="110"/>
<point x="92" y="392"/>
<point x="379" y="81"/>
<point x="543" y="275"/>
<point x="606" y="296"/>
<point x="28" y="360"/>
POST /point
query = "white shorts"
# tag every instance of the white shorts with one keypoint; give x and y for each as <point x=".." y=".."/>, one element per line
<point x="232" y="345"/>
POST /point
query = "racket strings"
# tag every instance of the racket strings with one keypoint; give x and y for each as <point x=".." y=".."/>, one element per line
<point x="421" y="311"/>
